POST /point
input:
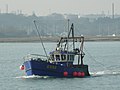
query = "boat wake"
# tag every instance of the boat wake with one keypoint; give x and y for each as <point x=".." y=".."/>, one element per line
<point x="33" y="77"/>
<point x="106" y="72"/>
<point x="93" y="74"/>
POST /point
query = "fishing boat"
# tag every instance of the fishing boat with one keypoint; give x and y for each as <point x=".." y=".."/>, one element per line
<point x="60" y="62"/>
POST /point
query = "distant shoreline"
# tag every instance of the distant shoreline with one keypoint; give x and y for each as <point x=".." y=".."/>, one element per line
<point x="56" y="39"/>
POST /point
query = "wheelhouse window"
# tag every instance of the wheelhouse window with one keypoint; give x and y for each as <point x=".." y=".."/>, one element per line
<point x="57" y="57"/>
<point x="70" y="57"/>
<point x="63" y="57"/>
<point x="52" y="57"/>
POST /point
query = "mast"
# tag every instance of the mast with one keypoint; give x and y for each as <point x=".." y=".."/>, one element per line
<point x="67" y="43"/>
<point x="72" y="31"/>
<point x="73" y="36"/>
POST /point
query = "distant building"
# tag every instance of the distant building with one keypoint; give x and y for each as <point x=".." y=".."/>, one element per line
<point x="93" y="17"/>
<point x="70" y="16"/>
<point x="56" y="16"/>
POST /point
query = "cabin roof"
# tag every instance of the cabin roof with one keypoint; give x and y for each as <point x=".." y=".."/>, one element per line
<point x="62" y="52"/>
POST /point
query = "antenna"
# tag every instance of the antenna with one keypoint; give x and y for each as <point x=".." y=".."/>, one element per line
<point x="7" y="8"/>
<point x="112" y="10"/>
<point x="40" y="39"/>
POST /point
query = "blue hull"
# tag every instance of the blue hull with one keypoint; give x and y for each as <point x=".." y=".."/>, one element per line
<point x="44" y="68"/>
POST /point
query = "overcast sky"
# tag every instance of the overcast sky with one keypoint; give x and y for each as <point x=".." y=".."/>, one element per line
<point x="45" y="7"/>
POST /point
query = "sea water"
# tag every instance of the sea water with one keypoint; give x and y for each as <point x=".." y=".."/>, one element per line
<point x="103" y="59"/>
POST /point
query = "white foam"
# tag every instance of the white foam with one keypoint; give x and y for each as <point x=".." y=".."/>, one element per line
<point x="32" y="76"/>
<point x="106" y="72"/>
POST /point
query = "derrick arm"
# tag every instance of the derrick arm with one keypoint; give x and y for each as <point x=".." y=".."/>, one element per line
<point x="81" y="50"/>
<point x="65" y="39"/>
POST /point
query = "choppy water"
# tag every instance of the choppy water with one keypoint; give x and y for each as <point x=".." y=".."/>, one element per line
<point x="103" y="59"/>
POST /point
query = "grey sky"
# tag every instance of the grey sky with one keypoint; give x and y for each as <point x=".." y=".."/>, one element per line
<point x="45" y="7"/>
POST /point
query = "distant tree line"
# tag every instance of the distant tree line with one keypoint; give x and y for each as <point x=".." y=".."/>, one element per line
<point x="12" y="25"/>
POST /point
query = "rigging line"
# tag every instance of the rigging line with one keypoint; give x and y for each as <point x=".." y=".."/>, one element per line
<point x="108" y="68"/>
<point x="40" y="38"/>
<point x="95" y="59"/>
